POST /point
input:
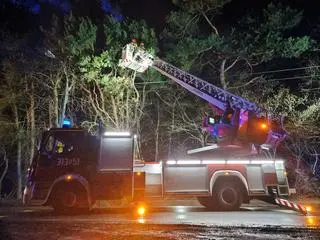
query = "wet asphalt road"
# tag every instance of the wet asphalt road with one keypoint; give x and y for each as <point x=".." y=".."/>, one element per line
<point x="160" y="222"/>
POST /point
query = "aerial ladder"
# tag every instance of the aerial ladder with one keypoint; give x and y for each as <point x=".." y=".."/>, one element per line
<point x="240" y="119"/>
<point x="240" y="116"/>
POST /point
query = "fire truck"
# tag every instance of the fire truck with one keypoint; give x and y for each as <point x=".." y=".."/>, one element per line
<point x="74" y="169"/>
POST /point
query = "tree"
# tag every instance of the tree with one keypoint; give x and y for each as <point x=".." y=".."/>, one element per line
<point x="11" y="97"/>
<point x="109" y="92"/>
<point x="235" y="50"/>
<point x="229" y="58"/>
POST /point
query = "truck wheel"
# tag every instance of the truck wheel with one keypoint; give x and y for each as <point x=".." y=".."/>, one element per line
<point x="227" y="196"/>
<point x="70" y="198"/>
<point x="207" y="202"/>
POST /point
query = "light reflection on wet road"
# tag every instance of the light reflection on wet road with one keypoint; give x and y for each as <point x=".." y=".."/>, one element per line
<point x="170" y="222"/>
<point x="248" y="216"/>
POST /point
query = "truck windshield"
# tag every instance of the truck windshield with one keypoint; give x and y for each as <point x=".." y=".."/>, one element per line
<point x="57" y="145"/>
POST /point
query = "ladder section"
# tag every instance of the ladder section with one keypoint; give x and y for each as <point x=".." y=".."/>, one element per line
<point x="138" y="59"/>
<point x="207" y="91"/>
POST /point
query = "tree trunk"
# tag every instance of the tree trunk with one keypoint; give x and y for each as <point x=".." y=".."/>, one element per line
<point x="32" y="124"/>
<point x="56" y="104"/>
<point x="65" y="101"/>
<point x="172" y="129"/>
<point x="156" y="155"/>
<point x="203" y="140"/>
<point x="127" y="110"/>
<point x="4" y="172"/>
<point x="115" y="112"/>
<point x="222" y="74"/>
<point x="19" y="149"/>
<point x="51" y="109"/>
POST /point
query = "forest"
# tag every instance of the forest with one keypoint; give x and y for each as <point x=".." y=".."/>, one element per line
<point x="60" y="60"/>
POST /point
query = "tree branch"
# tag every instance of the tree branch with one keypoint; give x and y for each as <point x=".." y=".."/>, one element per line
<point x="210" y="23"/>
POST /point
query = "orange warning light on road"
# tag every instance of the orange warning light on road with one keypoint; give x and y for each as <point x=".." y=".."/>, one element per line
<point x="141" y="210"/>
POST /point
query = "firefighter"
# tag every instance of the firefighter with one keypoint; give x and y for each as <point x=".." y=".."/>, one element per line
<point x="60" y="147"/>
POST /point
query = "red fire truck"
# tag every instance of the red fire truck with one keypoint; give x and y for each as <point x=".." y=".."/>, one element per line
<point x="73" y="169"/>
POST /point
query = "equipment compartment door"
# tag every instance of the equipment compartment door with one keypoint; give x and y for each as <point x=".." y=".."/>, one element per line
<point x="186" y="179"/>
<point x="114" y="179"/>
<point x="116" y="154"/>
<point x="255" y="178"/>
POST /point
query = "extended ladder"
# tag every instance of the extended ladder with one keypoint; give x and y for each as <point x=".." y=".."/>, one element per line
<point x="140" y="60"/>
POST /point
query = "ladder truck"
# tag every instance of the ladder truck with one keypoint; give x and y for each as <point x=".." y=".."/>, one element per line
<point x="73" y="169"/>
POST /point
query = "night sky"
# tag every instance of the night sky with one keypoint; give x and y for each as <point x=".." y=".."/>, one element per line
<point x="25" y="16"/>
<point x="22" y="15"/>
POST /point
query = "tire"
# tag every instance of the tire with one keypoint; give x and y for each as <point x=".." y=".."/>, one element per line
<point x="70" y="198"/>
<point x="207" y="202"/>
<point x="227" y="196"/>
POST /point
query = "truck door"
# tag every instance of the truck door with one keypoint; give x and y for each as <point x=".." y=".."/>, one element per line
<point x="60" y="152"/>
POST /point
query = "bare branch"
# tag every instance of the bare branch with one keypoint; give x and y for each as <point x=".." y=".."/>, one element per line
<point x="232" y="64"/>
<point x="210" y="23"/>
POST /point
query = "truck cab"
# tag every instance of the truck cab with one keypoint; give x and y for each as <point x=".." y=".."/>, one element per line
<point x="73" y="169"/>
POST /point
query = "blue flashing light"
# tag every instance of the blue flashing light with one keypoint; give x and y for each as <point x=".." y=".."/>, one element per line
<point x="66" y="123"/>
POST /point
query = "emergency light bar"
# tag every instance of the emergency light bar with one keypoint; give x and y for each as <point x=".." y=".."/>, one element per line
<point x="117" y="134"/>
